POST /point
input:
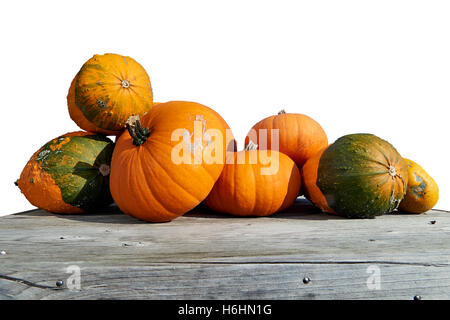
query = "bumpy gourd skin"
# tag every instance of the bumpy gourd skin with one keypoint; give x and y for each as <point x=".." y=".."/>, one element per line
<point x="423" y="192"/>
<point x="106" y="91"/>
<point x="78" y="116"/>
<point x="69" y="174"/>
<point x="362" y="176"/>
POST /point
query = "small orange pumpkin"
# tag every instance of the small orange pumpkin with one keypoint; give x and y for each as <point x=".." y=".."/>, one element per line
<point x="309" y="183"/>
<point x="422" y="193"/>
<point x="249" y="186"/>
<point x="300" y="137"/>
<point x="106" y="91"/>
<point x="161" y="167"/>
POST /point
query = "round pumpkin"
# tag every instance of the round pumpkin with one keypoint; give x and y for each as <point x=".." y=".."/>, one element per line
<point x="309" y="178"/>
<point x="106" y="91"/>
<point x="255" y="183"/>
<point x="69" y="174"/>
<point x="358" y="176"/>
<point x="168" y="160"/>
<point x="422" y="193"/>
<point x="300" y="136"/>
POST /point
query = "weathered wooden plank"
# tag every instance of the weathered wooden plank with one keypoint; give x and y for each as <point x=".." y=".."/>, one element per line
<point x="237" y="281"/>
<point x="205" y="255"/>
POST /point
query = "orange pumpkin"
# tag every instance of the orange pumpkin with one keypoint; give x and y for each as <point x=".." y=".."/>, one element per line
<point x="106" y="91"/>
<point x="309" y="185"/>
<point x="422" y="193"/>
<point x="168" y="160"/>
<point x="300" y="137"/>
<point x="255" y="183"/>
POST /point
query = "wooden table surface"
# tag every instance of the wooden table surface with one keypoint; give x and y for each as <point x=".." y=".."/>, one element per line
<point x="205" y="255"/>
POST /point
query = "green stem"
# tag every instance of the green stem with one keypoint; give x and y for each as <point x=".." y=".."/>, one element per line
<point x="136" y="131"/>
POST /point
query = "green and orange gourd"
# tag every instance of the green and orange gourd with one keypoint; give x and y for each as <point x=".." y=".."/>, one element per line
<point x="106" y="91"/>
<point x="358" y="176"/>
<point x="69" y="174"/>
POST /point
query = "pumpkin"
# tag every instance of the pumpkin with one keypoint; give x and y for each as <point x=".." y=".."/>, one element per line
<point x="309" y="187"/>
<point x="358" y="176"/>
<point x="255" y="183"/>
<point x="168" y="160"/>
<point x="422" y="193"/>
<point x="300" y="136"/>
<point x="106" y="91"/>
<point x="69" y="174"/>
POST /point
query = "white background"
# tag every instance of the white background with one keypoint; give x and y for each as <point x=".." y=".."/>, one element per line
<point x="381" y="67"/>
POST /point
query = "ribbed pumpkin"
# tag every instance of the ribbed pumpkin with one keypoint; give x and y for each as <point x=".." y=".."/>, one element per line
<point x="160" y="168"/>
<point x="300" y="137"/>
<point x="106" y="91"/>
<point x="423" y="192"/>
<point x="358" y="176"/>
<point x="69" y="174"/>
<point x="309" y="183"/>
<point x="248" y="186"/>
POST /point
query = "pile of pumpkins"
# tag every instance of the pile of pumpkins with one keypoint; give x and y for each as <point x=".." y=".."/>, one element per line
<point x="170" y="157"/>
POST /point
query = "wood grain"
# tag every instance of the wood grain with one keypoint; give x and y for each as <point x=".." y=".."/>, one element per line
<point x="205" y="255"/>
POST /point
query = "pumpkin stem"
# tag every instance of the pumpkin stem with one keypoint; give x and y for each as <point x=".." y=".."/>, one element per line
<point x="251" y="146"/>
<point x="282" y="111"/>
<point x="136" y="131"/>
